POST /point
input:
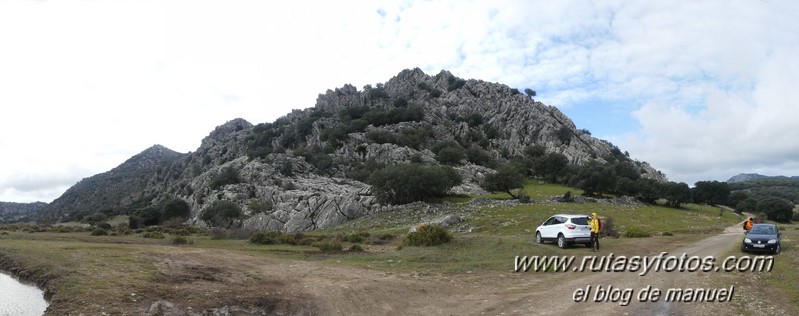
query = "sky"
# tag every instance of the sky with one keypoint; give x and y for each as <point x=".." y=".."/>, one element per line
<point x="702" y="90"/>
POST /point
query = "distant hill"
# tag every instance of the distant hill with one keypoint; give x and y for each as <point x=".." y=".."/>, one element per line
<point x="11" y="212"/>
<point x="743" y="177"/>
<point x="307" y="169"/>
<point x="120" y="188"/>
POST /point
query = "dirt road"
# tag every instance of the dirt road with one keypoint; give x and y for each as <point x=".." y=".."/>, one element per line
<point x="303" y="287"/>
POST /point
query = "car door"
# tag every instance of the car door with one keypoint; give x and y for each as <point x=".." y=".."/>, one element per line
<point x="547" y="229"/>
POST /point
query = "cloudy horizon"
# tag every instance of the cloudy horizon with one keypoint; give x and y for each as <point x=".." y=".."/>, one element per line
<point x="700" y="90"/>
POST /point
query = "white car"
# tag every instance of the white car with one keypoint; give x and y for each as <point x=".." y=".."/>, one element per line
<point x="565" y="229"/>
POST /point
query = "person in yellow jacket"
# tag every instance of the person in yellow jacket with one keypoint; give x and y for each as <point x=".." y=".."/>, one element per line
<point x="748" y="225"/>
<point x="596" y="226"/>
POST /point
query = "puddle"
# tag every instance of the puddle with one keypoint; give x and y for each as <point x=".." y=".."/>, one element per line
<point x="20" y="299"/>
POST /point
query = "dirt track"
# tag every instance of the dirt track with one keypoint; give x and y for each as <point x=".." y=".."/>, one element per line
<point x="302" y="287"/>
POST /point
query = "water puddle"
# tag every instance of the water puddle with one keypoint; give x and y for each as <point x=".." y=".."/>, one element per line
<point x="20" y="299"/>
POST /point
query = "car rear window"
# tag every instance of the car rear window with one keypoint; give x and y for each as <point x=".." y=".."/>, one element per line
<point x="580" y="220"/>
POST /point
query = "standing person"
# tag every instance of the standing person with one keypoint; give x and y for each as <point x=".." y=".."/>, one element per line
<point x="596" y="226"/>
<point x="748" y="225"/>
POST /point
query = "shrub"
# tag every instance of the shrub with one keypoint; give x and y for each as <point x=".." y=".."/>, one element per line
<point x="454" y="83"/>
<point x="478" y="156"/>
<point x="667" y="234"/>
<point x="153" y="235"/>
<point x="355" y="248"/>
<point x="427" y="235"/>
<point x="328" y="245"/>
<point x="217" y="233"/>
<point x="776" y="209"/>
<point x="183" y="231"/>
<point x="307" y="241"/>
<point x="99" y="232"/>
<point x="135" y="222"/>
<point x="524" y="198"/>
<point x="507" y="178"/>
<point x="405" y="183"/>
<point x="354" y="239"/>
<point x="226" y="176"/>
<point x="636" y="232"/>
<point x="173" y="222"/>
<point x="105" y="226"/>
<point x="95" y="218"/>
<point x="567" y="197"/>
<point x="260" y="206"/>
<point x="261" y="238"/>
<point x="149" y="216"/>
<point x="287" y="169"/>
<point x="175" y="208"/>
<point x="180" y="240"/>
<point x="221" y="213"/>
<point x="381" y="136"/>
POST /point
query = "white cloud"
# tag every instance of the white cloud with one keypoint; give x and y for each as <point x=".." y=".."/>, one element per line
<point x="85" y="85"/>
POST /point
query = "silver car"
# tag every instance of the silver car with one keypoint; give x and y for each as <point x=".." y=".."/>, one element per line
<point x="565" y="229"/>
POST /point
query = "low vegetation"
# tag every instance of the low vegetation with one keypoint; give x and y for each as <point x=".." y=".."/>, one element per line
<point x="427" y="235"/>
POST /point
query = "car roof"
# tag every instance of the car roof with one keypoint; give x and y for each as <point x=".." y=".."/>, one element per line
<point x="570" y="215"/>
<point x="770" y="225"/>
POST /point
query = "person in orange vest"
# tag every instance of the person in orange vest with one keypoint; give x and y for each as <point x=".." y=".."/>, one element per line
<point x="747" y="225"/>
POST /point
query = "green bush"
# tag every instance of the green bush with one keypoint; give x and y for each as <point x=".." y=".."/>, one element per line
<point x="405" y="183"/>
<point x="257" y="206"/>
<point x="307" y="241"/>
<point x="427" y="235"/>
<point x="221" y="213"/>
<point x="175" y="208"/>
<point x="478" y="156"/>
<point x="636" y="232"/>
<point x="153" y="235"/>
<point x="667" y="234"/>
<point x="507" y="178"/>
<point x="776" y="209"/>
<point x="357" y="238"/>
<point x="226" y="176"/>
<point x="451" y="155"/>
<point x="180" y="240"/>
<point x="99" y="232"/>
<point x="328" y="245"/>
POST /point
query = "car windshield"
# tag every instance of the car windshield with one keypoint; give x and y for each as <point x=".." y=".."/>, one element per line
<point x="761" y="230"/>
<point x="580" y="220"/>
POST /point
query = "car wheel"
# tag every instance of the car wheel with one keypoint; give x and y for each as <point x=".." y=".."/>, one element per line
<point x="587" y="245"/>
<point x="777" y="250"/>
<point x="562" y="241"/>
<point x="538" y="238"/>
<point x="743" y="249"/>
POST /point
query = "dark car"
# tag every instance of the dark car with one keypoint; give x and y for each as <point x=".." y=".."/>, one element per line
<point x="762" y="237"/>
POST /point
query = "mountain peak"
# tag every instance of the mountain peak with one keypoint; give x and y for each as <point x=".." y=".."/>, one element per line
<point x="224" y="131"/>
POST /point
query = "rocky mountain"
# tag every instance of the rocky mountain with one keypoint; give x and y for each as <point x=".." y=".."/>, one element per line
<point x="10" y="211"/>
<point x="307" y="169"/>
<point x="743" y="177"/>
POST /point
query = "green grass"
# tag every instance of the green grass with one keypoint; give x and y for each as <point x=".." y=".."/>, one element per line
<point x="522" y="219"/>
<point x="785" y="275"/>
<point x="536" y="190"/>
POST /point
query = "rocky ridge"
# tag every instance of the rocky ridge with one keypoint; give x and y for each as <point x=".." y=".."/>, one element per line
<point x="280" y="186"/>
